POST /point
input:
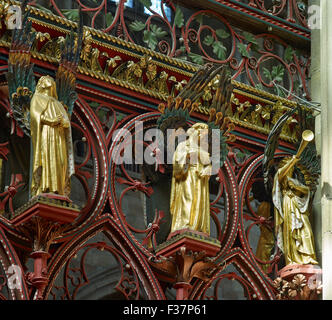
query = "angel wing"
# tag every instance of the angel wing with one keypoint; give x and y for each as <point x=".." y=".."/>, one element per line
<point x="176" y="113"/>
<point x="224" y="90"/>
<point x="188" y="99"/>
<point x="20" y="77"/>
<point x="178" y="109"/>
<point x="66" y="73"/>
<point x="271" y="146"/>
<point x="195" y="87"/>
<point x="310" y="167"/>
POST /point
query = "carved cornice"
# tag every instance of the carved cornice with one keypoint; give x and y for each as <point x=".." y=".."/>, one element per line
<point x="250" y="14"/>
<point x="182" y="69"/>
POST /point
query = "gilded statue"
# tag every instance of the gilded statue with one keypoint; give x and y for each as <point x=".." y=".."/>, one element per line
<point x="292" y="185"/>
<point x="53" y="162"/>
<point x="266" y="239"/>
<point x="194" y="160"/>
<point x="291" y="199"/>
<point x="43" y="111"/>
<point x="89" y="55"/>
<point x="190" y="202"/>
<point x="133" y="71"/>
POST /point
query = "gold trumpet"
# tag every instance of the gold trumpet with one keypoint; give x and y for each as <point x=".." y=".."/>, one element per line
<point x="307" y="136"/>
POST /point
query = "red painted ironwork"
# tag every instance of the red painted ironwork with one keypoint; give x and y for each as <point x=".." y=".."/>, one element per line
<point x="68" y="275"/>
<point x="38" y="278"/>
<point x="293" y="11"/>
<point x="108" y="186"/>
<point x="202" y="36"/>
<point x="229" y="211"/>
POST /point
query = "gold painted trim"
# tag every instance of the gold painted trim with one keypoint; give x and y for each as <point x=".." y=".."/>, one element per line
<point x="50" y="202"/>
<point x="248" y="125"/>
<point x="167" y="63"/>
<point x="190" y="68"/>
<point x="188" y="235"/>
<point x="157" y="95"/>
<point x="102" y="35"/>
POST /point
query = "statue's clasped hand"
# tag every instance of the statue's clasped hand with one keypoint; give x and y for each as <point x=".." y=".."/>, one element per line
<point x="61" y="121"/>
<point x="205" y="172"/>
<point x="65" y="123"/>
<point x="291" y="185"/>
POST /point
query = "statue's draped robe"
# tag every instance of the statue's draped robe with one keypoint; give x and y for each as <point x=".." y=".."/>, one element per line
<point x="294" y="234"/>
<point x="189" y="202"/>
<point x="53" y="162"/>
<point x="266" y="239"/>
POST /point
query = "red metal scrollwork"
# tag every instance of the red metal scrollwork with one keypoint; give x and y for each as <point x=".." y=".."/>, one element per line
<point x="202" y="36"/>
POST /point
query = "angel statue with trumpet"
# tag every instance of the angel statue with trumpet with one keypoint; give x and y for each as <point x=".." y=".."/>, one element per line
<point x="43" y="111"/>
<point x="291" y="200"/>
<point x="292" y="188"/>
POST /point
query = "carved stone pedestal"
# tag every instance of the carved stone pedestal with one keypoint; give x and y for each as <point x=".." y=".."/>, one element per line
<point x="43" y="219"/>
<point x="308" y="270"/>
<point x="54" y="208"/>
<point x="191" y="240"/>
<point x="184" y="256"/>
<point x="299" y="282"/>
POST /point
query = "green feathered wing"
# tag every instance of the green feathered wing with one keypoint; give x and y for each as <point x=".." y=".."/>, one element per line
<point x="66" y="73"/>
<point x="20" y="77"/>
<point x="271" y="146"/>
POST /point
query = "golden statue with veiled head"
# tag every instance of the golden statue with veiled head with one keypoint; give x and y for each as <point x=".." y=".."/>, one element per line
<point x="51" y="141"/>
<point x="43" y="111"/>
<point x="190" y="202"/>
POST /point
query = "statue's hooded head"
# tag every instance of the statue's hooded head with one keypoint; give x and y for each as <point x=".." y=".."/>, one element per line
<point x="198" y="129"/>
<point x="198" y="132"/>
<point x="46" y="85"/>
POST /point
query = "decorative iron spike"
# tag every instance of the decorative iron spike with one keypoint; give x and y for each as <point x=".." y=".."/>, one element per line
<point x="212" y="113"/>
<point x="178" y="101"/>
<point x="161" y="107"/>
<point x="219" y="117"/>
<point x="186" y="104"/>
<point x="170" y="101"/>
<point x="194" y="107"/>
